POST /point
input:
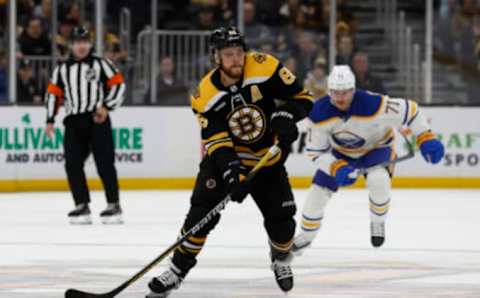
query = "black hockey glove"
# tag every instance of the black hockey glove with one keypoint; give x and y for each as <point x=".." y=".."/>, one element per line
<point x="285" y="128"/>
<point x="234" y="180"/>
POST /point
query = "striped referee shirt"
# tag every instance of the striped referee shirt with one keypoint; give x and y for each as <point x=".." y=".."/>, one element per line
<point x="83" y="86"/>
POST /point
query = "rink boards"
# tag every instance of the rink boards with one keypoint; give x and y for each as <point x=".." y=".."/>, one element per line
<point x="160" y="148"/>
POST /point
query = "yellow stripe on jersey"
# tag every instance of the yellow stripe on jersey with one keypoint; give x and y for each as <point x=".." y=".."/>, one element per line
<point x="327" y="121"/>
<point x="250" y="158"/>
<point x="336" y="165"/>
<point x="425" y="136"/>
<point x="259" y="153"/>
<point x="413" y="110"/>
<point x="215" y="137"/>
<point x="214" y="147"/>
<point x="218" y="140"/>
<point x="252" y="163"/>
<point x="203" y="97"/>
<point x="259" y="67"/>
<point x="304" y="94"/>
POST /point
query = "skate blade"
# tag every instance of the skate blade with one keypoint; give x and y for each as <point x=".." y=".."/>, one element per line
<point x="80" y="220"/>
<point x="112" y="220"/>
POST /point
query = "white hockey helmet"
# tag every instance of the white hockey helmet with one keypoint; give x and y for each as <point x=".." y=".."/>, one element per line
<point x="341" y="78"/>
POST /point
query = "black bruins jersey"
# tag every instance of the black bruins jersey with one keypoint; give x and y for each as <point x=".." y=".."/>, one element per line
<point x="238" y="116"/>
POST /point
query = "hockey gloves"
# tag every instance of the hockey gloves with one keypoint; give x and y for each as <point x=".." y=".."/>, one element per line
<point x="234" y="181"/>
<point x="284" y="127"/>
<point x="432" y="149"/>
<point x="343" y="173"/>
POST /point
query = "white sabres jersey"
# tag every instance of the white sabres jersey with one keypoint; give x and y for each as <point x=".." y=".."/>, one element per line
<point x="368" y="124"/>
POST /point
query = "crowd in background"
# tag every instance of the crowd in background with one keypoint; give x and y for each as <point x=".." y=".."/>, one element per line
<point x="295" y="31"/>
<point x="457" y="40"/>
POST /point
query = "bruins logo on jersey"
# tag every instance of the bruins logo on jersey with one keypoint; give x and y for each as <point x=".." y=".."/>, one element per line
<point x="259" y="57"/>
<point x="247" y="123"/>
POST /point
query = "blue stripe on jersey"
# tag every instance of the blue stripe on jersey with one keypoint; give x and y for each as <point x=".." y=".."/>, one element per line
<point x="364" y="104"/>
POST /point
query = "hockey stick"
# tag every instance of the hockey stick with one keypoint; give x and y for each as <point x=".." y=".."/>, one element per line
<point x="72" y="293"/>
<point x="410" y="154"/>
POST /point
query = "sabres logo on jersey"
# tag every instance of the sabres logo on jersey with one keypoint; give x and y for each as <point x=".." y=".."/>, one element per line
<point x="348" y="140"/>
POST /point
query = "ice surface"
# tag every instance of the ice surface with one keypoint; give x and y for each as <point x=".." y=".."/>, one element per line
<point x="432" y="248"/>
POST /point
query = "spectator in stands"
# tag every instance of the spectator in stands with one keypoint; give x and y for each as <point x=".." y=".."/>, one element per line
<point x="255" y="33"/>
<point x="25" y="10"/>
<point x="73" y="13"/>
<point x="170" y="91"/>
<point x="33" y="41"/>
<point x="267" y="47"/>
<point x="113" y="50"/>
<point x="3" y="18"/>
<point x="288" y="10"/>
<point x="313" y="15"/>
<point x="3" y="77"/>
<point x="307" y="52"/>
<point x="28" y="91"/>
<point x="364" y="79"/>
<point x="291" y="64"/>
<point x="205" y="18"/>
<point x="43" y="11"/>
<point x="345" y="50"/>
<point x="316" y="80"/>
<point x="65" y="28"/>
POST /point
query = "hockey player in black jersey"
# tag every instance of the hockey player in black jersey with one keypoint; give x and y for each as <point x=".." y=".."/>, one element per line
<point x="244" y="105"/>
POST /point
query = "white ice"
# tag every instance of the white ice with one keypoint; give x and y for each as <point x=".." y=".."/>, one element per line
<point x="432" y="248"/>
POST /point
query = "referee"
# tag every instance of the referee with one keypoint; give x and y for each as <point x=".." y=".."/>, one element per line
<point x="89" y="87"/>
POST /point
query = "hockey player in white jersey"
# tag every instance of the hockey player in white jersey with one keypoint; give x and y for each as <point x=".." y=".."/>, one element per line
<point x="353" y="129"/>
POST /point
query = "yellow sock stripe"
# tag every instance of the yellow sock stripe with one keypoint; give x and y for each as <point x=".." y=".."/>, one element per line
<point x="191" y="250"/>
<point x="197" y="240"/>
<point x="377" y="209"/>
<point x="336" y="165"/>
<point x="425" y="136"/>
<point x="181" y="250"/>
<point x="285" y="247"/>
<point x="194" y="239"/>
<point x="311" y="224"/>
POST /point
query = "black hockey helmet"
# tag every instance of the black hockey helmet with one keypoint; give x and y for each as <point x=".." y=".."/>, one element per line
<point x="80" y="33"/>
<point x="224" y="37"/>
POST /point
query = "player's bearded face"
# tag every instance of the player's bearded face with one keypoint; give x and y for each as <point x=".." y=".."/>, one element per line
<point x="342" y="99"/>
<point x="232" y="60"/>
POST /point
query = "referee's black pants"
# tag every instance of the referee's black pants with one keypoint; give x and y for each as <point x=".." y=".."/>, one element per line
<point x="83" y="136"/>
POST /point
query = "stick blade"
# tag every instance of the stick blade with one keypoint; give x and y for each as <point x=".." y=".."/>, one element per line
<point x="72" y="293"/>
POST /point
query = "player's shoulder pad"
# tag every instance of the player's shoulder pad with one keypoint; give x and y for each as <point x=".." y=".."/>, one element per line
<point x="259" y="67"/>
<point x="206" y="95"/>
<point x="323" y="112"/>
<point x="366" y="104"/>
